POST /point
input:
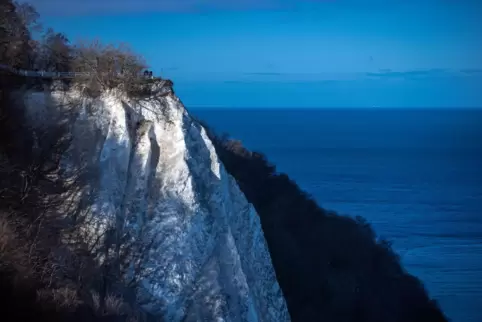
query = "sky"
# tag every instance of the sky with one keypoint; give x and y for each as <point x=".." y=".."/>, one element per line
<point x="294" y="53"/>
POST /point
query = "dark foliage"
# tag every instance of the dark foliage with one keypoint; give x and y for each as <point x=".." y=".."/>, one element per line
<point x="330" y="267"/>
<point x="17" y="21"/>
<point x="40" y="279"/>
<point x="54" y="53"/>
<point x="99" y="66"/>
<point x="47" y="272"/>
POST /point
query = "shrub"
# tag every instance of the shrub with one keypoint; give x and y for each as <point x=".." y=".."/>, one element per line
<point x="63" y="298"/>
<point x="107" y="67"/>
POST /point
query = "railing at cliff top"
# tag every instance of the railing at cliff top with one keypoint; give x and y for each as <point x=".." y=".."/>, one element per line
<point x="164" y="87"/>
<point x="33" y="73"/>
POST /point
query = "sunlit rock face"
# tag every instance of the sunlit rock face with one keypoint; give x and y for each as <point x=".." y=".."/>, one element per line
<point x="159" y="179"/>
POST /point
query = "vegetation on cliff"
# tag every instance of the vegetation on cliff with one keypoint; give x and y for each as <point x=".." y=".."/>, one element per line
<point x="90" y="66"/>
<point x="330" y="267"/>
<point x="47" y="272"/>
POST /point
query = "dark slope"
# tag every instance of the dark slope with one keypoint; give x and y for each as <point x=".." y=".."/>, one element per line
<point x="330" y="267"/>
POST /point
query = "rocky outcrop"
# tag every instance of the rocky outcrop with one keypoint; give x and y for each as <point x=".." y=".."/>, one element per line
<point x="159" y="180"/>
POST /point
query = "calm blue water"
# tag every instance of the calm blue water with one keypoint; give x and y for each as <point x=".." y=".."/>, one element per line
<point x="416" y="175"/>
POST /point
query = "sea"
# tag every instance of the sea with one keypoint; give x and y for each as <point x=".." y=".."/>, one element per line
<point x="414" y="174"/>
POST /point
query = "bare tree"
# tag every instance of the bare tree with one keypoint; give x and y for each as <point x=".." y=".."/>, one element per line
<point x="54" y="53"/>
<point x="28" y="16"/>
<point x="108" y="66"/>
<point x="17" y="23"/>
<point x="120" y="255"/>
<point x="37" y="227"/>
<point x="41" y="236"/>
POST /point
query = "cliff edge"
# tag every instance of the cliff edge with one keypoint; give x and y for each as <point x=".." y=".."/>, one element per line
<point x="157" y="181"/>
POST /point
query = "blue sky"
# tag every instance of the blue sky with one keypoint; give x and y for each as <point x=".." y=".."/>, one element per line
<point x="287" y="53"/>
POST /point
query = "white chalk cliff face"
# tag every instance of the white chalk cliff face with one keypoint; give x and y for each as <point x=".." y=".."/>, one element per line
<point x="160" y="179"/>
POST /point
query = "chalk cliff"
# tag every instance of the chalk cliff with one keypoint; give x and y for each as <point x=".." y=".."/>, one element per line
<point x="158" y="180"/>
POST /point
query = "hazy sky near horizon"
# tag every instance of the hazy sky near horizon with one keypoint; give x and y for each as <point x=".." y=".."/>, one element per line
<point x="287" y="53"/>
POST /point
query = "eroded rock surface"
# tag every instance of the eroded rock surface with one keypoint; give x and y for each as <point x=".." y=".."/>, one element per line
<point x="159" y="178"/>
